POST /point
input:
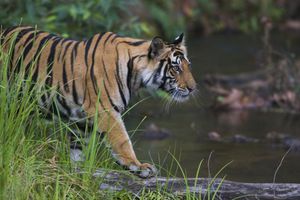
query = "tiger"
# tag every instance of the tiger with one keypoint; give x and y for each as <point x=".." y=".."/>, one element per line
<point x="101" y="74"/>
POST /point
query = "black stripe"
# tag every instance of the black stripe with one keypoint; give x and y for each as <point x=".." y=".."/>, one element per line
<point x="66" y="40"/>
<point x="50" y="61"/>
<point x="25" y="52"/>
<point x="6" y="32"/>
<point x="74" y="93"/>
<point x="62" y="101"/>
<point x="94" y="82"/>
<point x="164" y="78"/>
<point x="19" y="36"/>
<point x="75" y="49"/>
<point x="101" y="103"/>
<point x="65" y="78"/>
<point x="27" y="49"/>
<point x="107" y="38"/>
<point x="118" y="77"/>
<point x="138" y="43"/>
<point x="65" y="51"/>
<point x="22" y="33"/>
<point x="105" y="72"/>
<point x="110" y="100"/>
<point x="115" y="37"/>
<point x="161" y="64"/>
<point x="157" y="73"/>
<point x="73" y="57"/>
<point x="178" y="52"/>
<point x="129" y="73"/>
<point x="59" y="51"/>
<point x="38" y="53"/>
<point x="87" y="48"/>
<point x="87" y="44"/>
<point x="93" y="78"/>
<point x="29" y="42"/>
<point x="121" y="93"/>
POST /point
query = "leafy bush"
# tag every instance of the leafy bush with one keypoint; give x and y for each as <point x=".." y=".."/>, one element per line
<point x="79" y="19"/>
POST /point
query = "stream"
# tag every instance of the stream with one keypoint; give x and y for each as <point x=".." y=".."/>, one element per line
<point x="189" y="123"/>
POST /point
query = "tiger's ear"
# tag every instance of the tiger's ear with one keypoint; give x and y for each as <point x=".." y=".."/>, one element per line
<point x="157" y="47"/>
<point x="179" y="40"/>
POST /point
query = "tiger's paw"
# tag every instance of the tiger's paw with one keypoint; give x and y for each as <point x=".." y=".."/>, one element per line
<point x="144" y="170"/>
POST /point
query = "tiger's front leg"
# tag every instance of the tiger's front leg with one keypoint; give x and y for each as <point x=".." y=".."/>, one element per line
<point x="122" y="147"/>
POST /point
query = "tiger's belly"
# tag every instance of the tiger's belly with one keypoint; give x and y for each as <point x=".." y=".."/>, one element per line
<point x="59" y="107"/>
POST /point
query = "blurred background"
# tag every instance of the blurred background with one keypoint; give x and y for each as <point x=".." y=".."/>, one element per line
<point x="78" y="19"/>
<point x="245" y="58"/>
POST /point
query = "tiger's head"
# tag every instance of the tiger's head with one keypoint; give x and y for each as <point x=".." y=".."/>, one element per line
<point x="170" y="68"/>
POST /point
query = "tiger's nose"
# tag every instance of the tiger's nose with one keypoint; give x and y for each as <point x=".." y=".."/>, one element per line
<point x="191" y="89"/>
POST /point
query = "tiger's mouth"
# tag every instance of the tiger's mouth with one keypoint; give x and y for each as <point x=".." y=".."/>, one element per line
<point x="180" y="95"/>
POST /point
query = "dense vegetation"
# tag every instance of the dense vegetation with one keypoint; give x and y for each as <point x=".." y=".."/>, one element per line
<point x="80" y="19"/>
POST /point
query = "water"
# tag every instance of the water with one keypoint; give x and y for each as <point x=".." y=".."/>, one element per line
<point x="190" y="123"/>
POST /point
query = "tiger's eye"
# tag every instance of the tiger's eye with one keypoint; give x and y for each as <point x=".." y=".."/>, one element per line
<point x="176" y="68"/>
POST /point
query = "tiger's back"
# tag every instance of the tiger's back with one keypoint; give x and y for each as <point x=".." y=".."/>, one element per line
<point x="68" y="66"/>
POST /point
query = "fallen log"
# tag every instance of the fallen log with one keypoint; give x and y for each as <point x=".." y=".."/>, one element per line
<point x="117" y="181"/>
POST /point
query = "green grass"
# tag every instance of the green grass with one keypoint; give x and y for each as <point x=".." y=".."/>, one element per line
<point x="34" y="155"/>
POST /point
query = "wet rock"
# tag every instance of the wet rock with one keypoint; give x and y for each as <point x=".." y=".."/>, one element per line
<point x="153" y="132"/>
<point x="214" y="136"/>
<point x="237" y="138"/>
<point x="276" y="137"/>
<point x="243" y="139"/>
<point x="292" y="143"/>
<point x="284" y="140"/>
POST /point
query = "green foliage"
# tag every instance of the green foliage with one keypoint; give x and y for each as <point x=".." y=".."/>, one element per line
<point x="166" y="16"/>
<point x="81" y="19"/>
<point x="242" y="15"/>
<point x="75" y="18"/>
